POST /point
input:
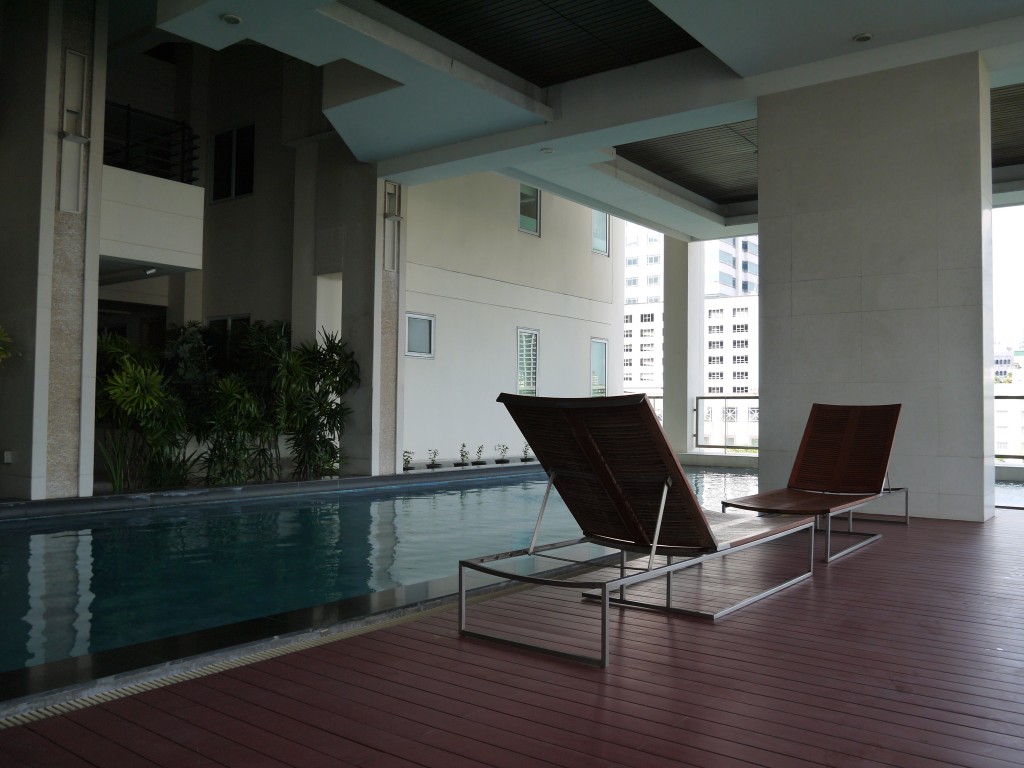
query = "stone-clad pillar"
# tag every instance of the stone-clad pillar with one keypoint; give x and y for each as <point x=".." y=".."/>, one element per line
<point x="874" y="224"/>
<point x="52" y="76"/>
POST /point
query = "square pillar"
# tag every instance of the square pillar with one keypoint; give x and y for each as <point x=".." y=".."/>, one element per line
<point x="874" y="224"/>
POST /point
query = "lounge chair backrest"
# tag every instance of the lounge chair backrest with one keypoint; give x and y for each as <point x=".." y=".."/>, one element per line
<point x="845" y="448"/>
<point x="610" y="459"/>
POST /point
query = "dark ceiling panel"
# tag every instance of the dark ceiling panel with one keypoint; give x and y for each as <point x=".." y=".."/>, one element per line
<point x="719" y="163"/>
<point x="1008" y="126"/>
<point x="552" y="41"/>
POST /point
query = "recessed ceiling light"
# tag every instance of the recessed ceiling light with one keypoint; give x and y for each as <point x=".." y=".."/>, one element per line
<point x="231" y="18"/>
<point x="863" y="37"/>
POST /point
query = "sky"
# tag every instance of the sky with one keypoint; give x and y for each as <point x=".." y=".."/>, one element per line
<point x="1008" y="276"/>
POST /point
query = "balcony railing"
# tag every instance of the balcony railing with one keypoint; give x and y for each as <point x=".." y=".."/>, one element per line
<point x="723" y="421"/>
<point x="1008" y="423"/>
<point x="150" y="144"/>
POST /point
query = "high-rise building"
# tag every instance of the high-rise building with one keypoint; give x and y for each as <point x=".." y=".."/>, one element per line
<point x="644" y="319"/>
<point x="730" y="335"/>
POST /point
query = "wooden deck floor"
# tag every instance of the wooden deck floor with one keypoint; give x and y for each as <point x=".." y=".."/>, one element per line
<point x="907" y="653"/>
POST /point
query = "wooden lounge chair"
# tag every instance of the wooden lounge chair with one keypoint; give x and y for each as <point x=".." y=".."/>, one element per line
<point x="610" y="462"/>
<point x="842" y="464"/>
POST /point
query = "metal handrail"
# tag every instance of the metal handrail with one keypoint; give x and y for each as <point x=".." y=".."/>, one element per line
<point x="698" y="410"/>
<point x="1009" y="455"/>
<point x="146" y="143"/>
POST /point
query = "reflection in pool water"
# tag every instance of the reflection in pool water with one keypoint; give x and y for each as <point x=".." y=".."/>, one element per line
<point x="85" y="584"/>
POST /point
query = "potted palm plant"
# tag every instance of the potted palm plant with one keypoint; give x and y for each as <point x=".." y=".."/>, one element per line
<point x="7" y="348"/>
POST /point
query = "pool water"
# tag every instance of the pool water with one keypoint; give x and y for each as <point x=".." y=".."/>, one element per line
<point x="80" y="585"/>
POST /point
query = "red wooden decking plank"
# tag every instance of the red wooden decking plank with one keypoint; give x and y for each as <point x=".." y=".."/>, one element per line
<point x="31" y="749"/>
<point x="389" y="732"/>
<point x="835" y="710"/>
<point x="749" y="744"/>
<point x="810" y="736"/>
<point x="89" y="745"/>
<point x="983" y="736"/>
<point x="142" y="741"/>
<point x="172" y="724"/>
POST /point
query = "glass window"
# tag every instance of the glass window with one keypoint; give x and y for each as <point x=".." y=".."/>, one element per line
<point x="716" y="375"/>
<point x="740" y="344"/>
<point x="599" y="232"/>
<point x="627" y="347"/>
<point x="233" y="163"/>
<point x="740" y="359"/>
<point x="628" y="333"/>
<point x="526" y="382"/>
<point x="715" y="390"/>
<point x="632" y="281"/>
<point x="753" y="414"/>
<point x="716" y="329"/>
<point x="654" y="279"/>
<point x="716" y="360"/>
<point x="740" y="390"/>
<point x="716" y="344"/>
<point x="631" y="261"/>
<point x="654" y="258"/>
<point x="646" y="361"/>
<point x="654" y="299"/>
<point x="729" y="414"/>
<point x="632" y="300"/>
<point x="645" y="332"/>
<point x="627" y="318"/>
<point x="419" y="335"/>
<point x="741" y="328"/>
<point x="529" y="209"/>
<point x="647" y="317"/>
<point x="647" y="347"/>
<point x="715" y="312"/>
<point x="598" y="367"/>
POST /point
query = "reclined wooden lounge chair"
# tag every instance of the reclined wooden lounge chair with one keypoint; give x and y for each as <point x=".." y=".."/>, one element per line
<point x="610" y="462"/>
<point x="842" y="464"/>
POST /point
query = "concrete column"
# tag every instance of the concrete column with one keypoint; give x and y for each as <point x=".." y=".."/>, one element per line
<point x="52" y="76"/>
<point x="874" y="225"/>
<point x="681" y="375"/>
<point x="349" y="240"/>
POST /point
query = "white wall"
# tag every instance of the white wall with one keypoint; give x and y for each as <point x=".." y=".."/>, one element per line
<point x="467" y="264"/>
<point x="143" y="218"/>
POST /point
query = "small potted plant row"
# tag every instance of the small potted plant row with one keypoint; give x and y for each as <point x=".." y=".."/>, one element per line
<point x="500" y="448"/>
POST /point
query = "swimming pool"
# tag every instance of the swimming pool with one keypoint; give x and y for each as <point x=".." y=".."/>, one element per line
<point x="83" y="585"/>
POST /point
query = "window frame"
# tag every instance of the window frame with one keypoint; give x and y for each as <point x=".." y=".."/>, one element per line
<point x="522" y="332"/>
<point x="594" y="246"/>
<point x="238" y="169"/>
<point x="524" y="202"/>
<point x="596" y="340"/>
<point x="433" y="334"/>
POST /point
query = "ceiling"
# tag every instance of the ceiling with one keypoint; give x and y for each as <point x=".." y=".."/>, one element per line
<point x="646" y="110"/>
